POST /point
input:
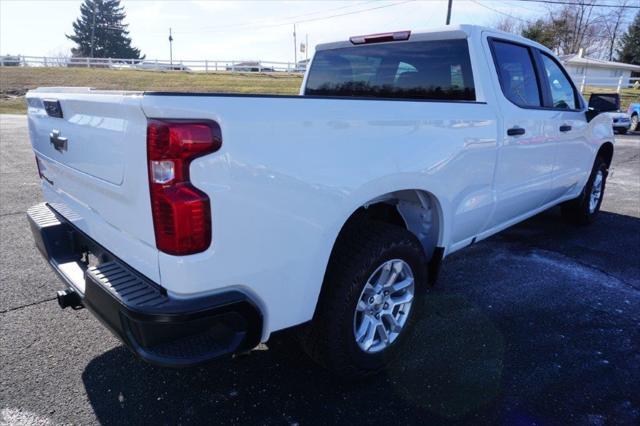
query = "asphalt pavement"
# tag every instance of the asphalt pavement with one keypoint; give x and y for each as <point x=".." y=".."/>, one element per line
<point x="539" y="324"/>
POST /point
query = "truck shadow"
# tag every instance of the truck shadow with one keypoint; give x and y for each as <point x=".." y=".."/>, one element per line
<point x="279" y="384"/>
<point x="520" y="329"/>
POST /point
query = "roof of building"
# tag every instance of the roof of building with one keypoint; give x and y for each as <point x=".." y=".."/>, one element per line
<point x="585" y="61"/>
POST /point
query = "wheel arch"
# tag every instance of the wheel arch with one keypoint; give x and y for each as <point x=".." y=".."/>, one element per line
<point x="606" y="151"/>
<point x="417" y="210"/>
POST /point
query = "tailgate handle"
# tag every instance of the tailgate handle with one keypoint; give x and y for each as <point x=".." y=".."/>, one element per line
<point x="565" y="128"/>
<point x="58" y="142"/>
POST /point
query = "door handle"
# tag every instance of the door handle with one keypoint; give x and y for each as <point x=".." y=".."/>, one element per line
<point x="565" y="128"/>
<point x="515" y="131"/>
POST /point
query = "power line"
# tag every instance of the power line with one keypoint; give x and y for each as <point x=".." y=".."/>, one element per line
<point x="510" y="3"/>
<point x="518" y="18"/>
<point x="355" y="12"/>
<point x="321" y="18"/>
<point x="288" y="18"/>
<point x="578" y="3"/>
<point x="329" y="10"/>
<point x="501" y="12"/>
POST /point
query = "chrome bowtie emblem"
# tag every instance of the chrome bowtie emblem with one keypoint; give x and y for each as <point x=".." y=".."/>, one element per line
<point x="58" y="142"/>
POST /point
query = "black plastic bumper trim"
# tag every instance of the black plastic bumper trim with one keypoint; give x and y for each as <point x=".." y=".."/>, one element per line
<point x="161" y="329"/>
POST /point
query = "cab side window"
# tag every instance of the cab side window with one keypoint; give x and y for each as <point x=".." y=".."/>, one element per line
<point x="517" y="75"/>
<point x="562" y="91"/>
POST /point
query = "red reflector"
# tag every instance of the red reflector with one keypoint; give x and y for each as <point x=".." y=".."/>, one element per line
<point x="181" y="218"/>
<point x="381" y="37"/>
<point x="181" y="212"/>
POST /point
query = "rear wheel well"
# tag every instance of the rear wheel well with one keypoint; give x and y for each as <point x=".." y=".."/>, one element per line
<point x="606" y="152"/>
<point x="379" y="212"/>
<point x="415" y="210"/>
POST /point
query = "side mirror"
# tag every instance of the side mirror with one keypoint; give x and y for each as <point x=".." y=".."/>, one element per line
<point x="591" y="113"/>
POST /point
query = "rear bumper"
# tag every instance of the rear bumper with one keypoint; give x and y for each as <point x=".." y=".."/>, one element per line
<point x="159" y="328"/>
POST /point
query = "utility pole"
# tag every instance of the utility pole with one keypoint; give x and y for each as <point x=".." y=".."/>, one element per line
<point x="449" y="12"/>
<point x="295" y="48"/>
<point x="170" y="48"/>
<point x="306" y="49"/>
<point x="93" y="28"/>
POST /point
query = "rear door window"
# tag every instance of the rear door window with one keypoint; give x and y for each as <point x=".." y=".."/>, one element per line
<point x="437" y="70"/>
<point x="517" y="75"/>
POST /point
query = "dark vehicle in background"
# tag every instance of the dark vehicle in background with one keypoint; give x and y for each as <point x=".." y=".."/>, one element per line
<point x="10" y="60"/>
<point x="610" y="103"/>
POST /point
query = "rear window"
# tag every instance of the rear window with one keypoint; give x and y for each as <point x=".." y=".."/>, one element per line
<point x="438" y="70"/>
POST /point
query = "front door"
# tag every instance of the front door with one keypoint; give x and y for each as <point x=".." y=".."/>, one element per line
<point x="574" y="154"/>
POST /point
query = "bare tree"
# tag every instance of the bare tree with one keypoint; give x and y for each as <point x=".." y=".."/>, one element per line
<point x="58" y="58"/>
<point x="577" y="26"/>
<point x="613" y="26"/>
<point x="508" y="25"/>
<point x="584" y="24"/>
<point x="569" y="27"/>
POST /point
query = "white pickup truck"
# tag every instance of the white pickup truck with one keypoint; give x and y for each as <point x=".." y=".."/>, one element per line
<point x="194" y="225"/>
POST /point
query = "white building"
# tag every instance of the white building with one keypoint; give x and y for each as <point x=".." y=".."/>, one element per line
<point x="596" y="72"/>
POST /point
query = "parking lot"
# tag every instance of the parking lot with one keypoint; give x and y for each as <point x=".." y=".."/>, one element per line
<point x="537" y="325"/>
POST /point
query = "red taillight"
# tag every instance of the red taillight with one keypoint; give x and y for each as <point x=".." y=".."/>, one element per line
<point x="381" y="37"/>
<point x="181" y="212"/>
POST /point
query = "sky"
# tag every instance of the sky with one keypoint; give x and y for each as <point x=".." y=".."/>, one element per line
<point x="240" y="30"/>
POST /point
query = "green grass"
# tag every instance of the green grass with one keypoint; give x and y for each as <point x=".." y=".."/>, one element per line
<point x="13" y="105"/>
<point x="16" y="81"/>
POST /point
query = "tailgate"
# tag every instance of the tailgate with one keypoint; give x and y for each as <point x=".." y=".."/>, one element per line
<point x="93" y="161"/>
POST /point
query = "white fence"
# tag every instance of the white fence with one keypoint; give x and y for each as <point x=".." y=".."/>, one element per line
<point x="209" y="65"/>
<point x="614" y="83"/>
<point x="203" y="65"/>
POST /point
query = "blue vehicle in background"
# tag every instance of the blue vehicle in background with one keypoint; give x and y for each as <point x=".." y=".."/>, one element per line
<point x="634" y="113"/>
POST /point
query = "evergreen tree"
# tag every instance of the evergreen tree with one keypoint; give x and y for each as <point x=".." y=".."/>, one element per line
<point x="629" y="51"/>
<point x="100" y="31"/>
<point x="544" y="32"/>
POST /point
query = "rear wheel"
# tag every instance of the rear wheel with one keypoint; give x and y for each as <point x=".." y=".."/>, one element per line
<point x="584" y="209"/>
<point x="634" y="123"/>
<point x="373" y="290"/>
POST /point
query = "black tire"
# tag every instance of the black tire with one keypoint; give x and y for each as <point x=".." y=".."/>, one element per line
<point x="635" y="123"/>
<point x="329" y="339"/>
<point x="578" y="210"/>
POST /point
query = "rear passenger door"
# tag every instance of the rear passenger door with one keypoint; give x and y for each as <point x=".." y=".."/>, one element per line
<point x="524" y="170"/>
